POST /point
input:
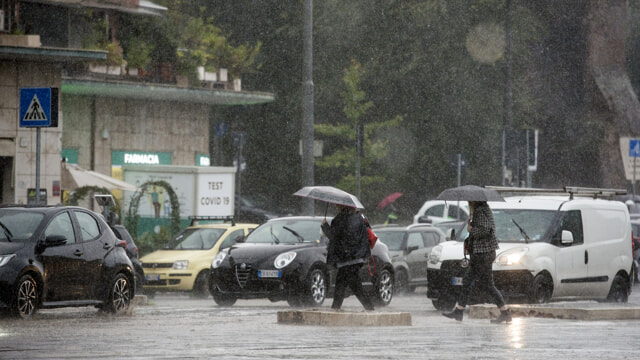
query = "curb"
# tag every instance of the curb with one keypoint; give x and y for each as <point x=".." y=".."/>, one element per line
<point x="343" y="318"/>
<point x="558" y="312"/>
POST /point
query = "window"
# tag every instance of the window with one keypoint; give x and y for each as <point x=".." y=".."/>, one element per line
<point x="572" y="222"/>
<point x="456" y="212"/>
<point x="232" y="239"/>
<point x="430" y="239"/>
<point x="437" y="211"/>
<point x="61" y="225"/>
<point x="89" y="228"/>
<point x="415" y="239"/>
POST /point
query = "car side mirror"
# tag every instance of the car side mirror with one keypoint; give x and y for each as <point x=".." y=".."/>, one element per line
<point x="412" y="248"/>
<point x="239" y="239"/>
<point x="55" y="240"/>
<point x="425" y="219"/>
<point x="567" y="237"/>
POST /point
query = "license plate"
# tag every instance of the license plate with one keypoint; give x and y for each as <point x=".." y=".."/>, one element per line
<point x="456" y="281"/>
<point x="152" y="277"/>
<point x="269" y="273"/>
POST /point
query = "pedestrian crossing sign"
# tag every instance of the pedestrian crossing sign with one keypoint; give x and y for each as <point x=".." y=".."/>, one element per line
<point x="38" y="107"/>
<point x="634" y="147"/>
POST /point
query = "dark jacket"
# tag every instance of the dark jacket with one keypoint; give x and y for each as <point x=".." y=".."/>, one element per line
<point x="483" y="230"/>
<point x="348" y="240"/>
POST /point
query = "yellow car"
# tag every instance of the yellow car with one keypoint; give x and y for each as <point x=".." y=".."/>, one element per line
<point x="185" y="263"/>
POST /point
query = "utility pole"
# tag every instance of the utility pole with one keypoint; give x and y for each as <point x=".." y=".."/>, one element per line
<point x="507" y="102"/>
<point x="307" y="105"/>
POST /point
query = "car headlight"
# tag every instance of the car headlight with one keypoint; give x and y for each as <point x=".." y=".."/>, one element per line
<point x="218" y="259"/>
<point x="284" y="259"/>
<point x="511" y="256"/>
<point x="434" y="256"/>
<point x="181" y="265"/>
<point x="4" y="259"/>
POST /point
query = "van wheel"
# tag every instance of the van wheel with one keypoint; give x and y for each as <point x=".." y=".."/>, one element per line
<point x="618" y="292"/>
<point x="541" y="289"/>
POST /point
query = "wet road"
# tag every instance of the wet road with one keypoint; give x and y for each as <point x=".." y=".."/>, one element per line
<point x="176" y="326"/>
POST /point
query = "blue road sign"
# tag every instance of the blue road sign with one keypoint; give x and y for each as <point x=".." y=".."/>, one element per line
<point x="634" y="147"/>
<point x="35" y="107"/>
<point x="221" y="128"/>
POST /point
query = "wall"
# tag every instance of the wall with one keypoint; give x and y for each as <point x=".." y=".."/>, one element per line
<point x="14" y="76"/>
<point x="134" y="125"/>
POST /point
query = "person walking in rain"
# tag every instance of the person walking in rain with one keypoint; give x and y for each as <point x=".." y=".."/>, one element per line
<point x="482" y="253"/>
<point x="348" y="250"/>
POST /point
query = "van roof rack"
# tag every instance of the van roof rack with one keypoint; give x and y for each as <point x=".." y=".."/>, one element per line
<point x="571" y="190"/>
<point x="196" y="219"/>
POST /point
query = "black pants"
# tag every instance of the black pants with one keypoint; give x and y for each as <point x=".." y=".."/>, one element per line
<point x="480" y="271"/>
<point x="349" y="276"/>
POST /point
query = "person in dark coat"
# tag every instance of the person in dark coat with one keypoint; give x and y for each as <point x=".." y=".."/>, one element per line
<point x="347" y="251"/>
<point x="482" y="237"/>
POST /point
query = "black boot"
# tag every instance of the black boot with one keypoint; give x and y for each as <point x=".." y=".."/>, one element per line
<point x="455" y="314"/>
<point x="505" y="316"/>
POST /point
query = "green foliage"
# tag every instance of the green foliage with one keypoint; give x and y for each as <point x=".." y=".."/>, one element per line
<point x="114" y="53"/>
<point x="151" y="241"/>
<point x="131" y="221"/>
<point x="343" y="159"/>
<point x="83" y="191"/>
<point x="200" y="43"/>
<point x="138" y="53"/>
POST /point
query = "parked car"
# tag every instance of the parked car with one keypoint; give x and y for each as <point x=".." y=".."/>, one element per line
<point x="285" y="259"/>
<point x="635" y="230"/>
<point x="122" y="233"/>
<point x="409" y="247"/>
<point x="436" y="211"/>
<point x="252" y="210"/>
<point x="551" y="248"/>
<point x="61" y="256"/>
<point x="184" y="264"/>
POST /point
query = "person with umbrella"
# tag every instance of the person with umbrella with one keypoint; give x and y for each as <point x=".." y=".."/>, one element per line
<point x="387" y="202"/>
<point x="348" y="250"/>
<point x="481" y="246"/>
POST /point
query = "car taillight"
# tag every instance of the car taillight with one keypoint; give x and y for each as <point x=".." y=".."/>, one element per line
<point x="122" y="244"/>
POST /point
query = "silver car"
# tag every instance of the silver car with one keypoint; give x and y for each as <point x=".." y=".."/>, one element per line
<point x="409" y="248"/>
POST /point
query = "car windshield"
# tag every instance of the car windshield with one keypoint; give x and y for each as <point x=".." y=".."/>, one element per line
<point x="195" y="239"/>
<point x="18" y="226"/>
<point x="286" y="231"/>
<point x="518" y="225"/>
<point x="393" y="239"/>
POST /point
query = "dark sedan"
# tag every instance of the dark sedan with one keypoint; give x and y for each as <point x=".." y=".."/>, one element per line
<point x="285" y="259"/>
<point x="61" y="256"/>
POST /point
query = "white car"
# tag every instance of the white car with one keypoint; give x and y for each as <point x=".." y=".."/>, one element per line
<point x="437" y="211"/>
<point x="551" y="248"/>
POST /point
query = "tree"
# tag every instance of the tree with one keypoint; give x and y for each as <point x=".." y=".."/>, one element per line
<point x="344" y="159"/>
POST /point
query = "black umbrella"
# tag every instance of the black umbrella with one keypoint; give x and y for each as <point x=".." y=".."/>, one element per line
<point x="470" y="193"/>
<point x="330" y="194"/>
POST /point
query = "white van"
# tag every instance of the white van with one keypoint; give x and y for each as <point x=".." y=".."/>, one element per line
<point x="551" y="248"/>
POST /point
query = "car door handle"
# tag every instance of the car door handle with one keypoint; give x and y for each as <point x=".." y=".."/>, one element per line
<point x="78" y="252"/>
<point x="107" y="246"/>
<point x="586" y="257"/>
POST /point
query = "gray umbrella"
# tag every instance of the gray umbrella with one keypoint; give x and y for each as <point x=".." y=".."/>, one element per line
<point x="330" y="194"/>
<point x="470" y="193"/>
